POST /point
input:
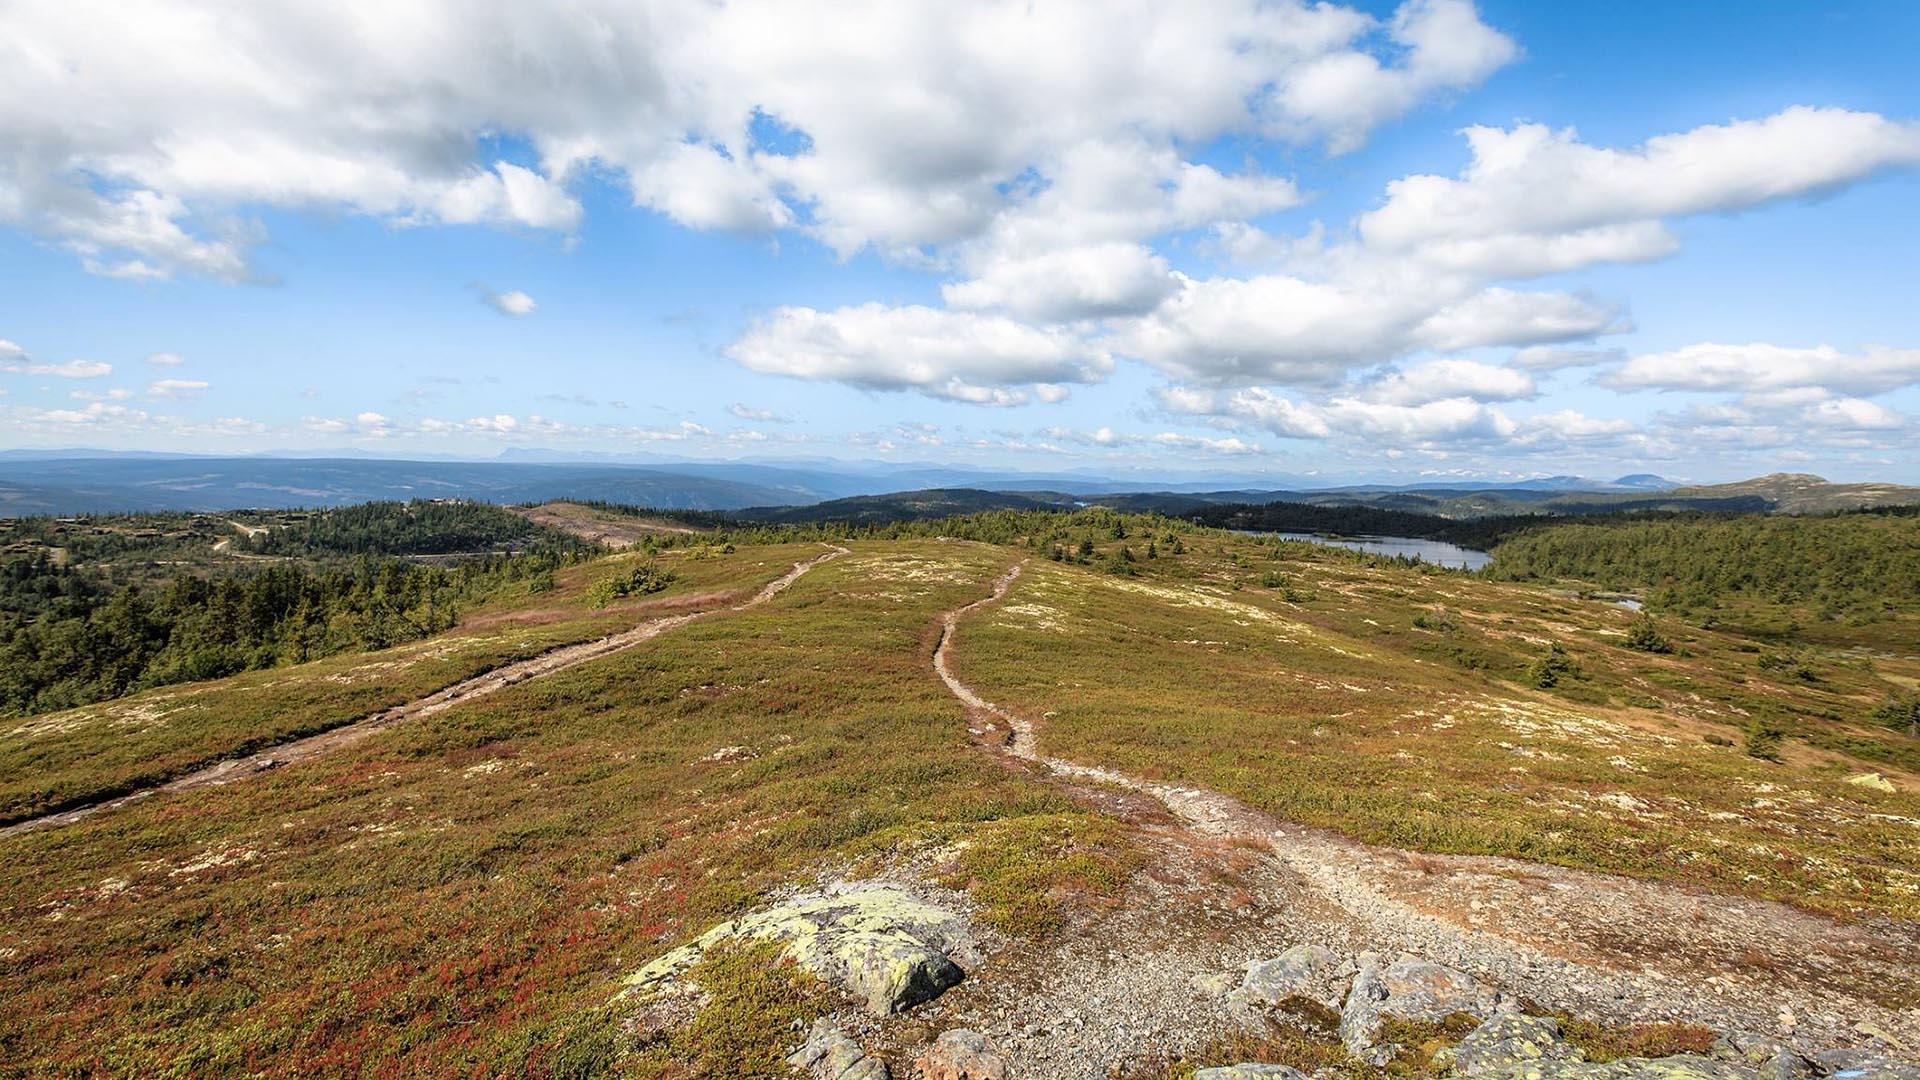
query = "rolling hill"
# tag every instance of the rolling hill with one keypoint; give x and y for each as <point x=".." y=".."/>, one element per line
<point x="723" y="797"/>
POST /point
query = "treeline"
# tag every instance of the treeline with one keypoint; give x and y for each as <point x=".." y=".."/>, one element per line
<point x="415" y="528"/>
<point x="1040" y="530"/>
<point x="1861" y="565"/>
<point x="1300" y="517"/>
<point x="195" y="627"/>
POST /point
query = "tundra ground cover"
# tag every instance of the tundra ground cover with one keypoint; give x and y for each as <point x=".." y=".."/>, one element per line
<point x="99" y="751"/>
<point x="461" y="894"/>
<point x="1397" y="706"/>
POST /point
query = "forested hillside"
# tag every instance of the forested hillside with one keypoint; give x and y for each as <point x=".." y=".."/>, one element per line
<point x="91" y="610"/>
<point x="1862" y="565"/>
<point x="416" y="528"/>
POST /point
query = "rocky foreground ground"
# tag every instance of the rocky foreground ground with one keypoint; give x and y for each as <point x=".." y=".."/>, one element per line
<point x="894" y="955"/>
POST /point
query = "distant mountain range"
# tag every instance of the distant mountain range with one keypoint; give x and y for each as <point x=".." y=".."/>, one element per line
<point x="78" y="482"/>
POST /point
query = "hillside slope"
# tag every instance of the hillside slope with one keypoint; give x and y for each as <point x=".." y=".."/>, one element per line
<point x="1125" y="754"/>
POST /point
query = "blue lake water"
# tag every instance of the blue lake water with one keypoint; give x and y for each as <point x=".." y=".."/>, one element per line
<point x="1437" y="552"/>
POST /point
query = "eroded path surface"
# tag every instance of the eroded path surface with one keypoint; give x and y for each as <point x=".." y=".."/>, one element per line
<point x="298" y="750"/>
<point x="1605" y="947"/>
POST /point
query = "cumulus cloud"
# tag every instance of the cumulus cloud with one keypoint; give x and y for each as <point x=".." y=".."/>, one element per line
<point x="1073" y="283"/>
<point x="1559" y="357"/>
<point x="513" y="303"/>
<point x="165" y="359"/>
<point x="145" y="137"/>
<point x="1107" y="438"/>
<point x="761" y="416"/>
<point x="1535" y="200"/>
<point x="980" y="359"/>
<point x="175" y="388"/>
<point x="14" y="359"/>
<point x="1346" y="93"/>
<point x="1760" y="367"/>
<point x="1441" y="379"/>
<point x="99" y="412"/>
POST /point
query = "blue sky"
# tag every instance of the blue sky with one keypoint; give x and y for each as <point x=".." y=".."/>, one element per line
<point x="1130" y="239"/>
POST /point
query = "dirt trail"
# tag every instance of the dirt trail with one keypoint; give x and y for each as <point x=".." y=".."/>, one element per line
<point x="298" y="750"/>
<point x="1595" y="945"/>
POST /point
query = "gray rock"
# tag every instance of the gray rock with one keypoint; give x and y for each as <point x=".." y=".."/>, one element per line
<point x="1306" y="971"/>
<point x="1863" y="1065"/>
<point x="1508" y="1039"/>
<point x="828" y="1054"/>
<point x="962" y="1055"/>
<point x="1770" y="1059"/>
<point x="878" y="944"/>
<point x="1407" y="989"/>
<point x="1250" y="1071"/>
<point x="1678" y="1067"/>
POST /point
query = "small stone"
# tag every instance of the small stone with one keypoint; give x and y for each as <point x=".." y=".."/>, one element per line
<point x="828" y="1054"/>
<point x="962" y="1055"/>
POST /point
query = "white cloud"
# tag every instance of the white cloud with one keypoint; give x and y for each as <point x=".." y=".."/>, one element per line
<point x="175" y="388"/>
<point x="1347" y="93"/>
<point x="1445" y="420"/>
<point x="1505" y="317"/>
<point x="1558" y="357"/>
<point x="142" y="137"/>
<point x="1281" y="328"/>
<point x="1760" y="367"/>
<point x="702" y="188"/>
<point x="762" y="416"/>
<point x="98" y="412"/>
<point x="513" y="303"/>
<point x="70" y="369"/>
<point x="1535" y="200"/>
<point x="1073" y="283"/>
<point x="1107" y="438"/>
<point x="1441" y="379"/>
<point x="1853" y="414"/>
<point x="165" y="359"/>
<point x="980" y="359"/>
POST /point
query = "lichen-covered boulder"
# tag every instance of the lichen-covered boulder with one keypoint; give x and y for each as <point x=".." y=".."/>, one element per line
<point x="878" y="944"/>
<point x="1509" y="1038"/>
<point x="1310" y="972"/>
<point x="1250" y="1071"/>
<point x="962" y="1055"/>
<point x="1770" y="1059"/>
<point x="1407" y="989"/>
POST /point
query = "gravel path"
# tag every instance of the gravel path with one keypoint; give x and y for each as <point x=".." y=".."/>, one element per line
<point x="1603" y="947"/>
<point x="312" y="746"/>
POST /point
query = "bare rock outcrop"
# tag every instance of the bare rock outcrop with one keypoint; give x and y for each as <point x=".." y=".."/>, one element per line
<point x="887" y="949"/>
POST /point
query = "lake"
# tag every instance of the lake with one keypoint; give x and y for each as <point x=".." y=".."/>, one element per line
<point x="1437" y="552"/>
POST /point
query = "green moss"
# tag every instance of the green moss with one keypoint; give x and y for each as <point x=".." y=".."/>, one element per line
<point x="756" y="1001"/>
<point x="1603" y="1043"/>
<point x="1026" y="869"/>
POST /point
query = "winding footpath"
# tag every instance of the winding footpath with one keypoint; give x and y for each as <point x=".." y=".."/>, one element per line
<point x="1593" y="944"/>
<point x="312" y="746"/>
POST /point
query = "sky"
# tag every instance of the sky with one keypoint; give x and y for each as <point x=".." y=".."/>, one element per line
<point x="1373" y="242"/>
